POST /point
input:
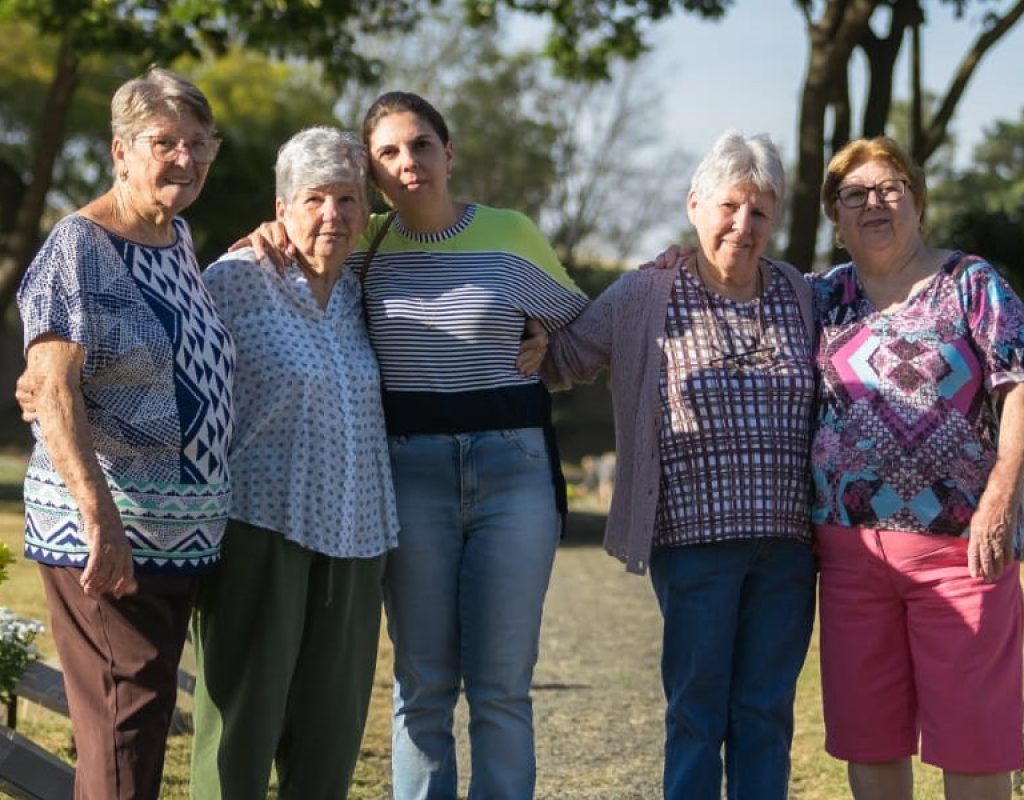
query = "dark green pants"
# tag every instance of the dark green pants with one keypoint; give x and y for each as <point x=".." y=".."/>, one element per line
<point x="286" y="645"/>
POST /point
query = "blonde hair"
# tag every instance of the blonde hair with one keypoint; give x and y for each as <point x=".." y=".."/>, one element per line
<point x="861" y="151"/>
<point x="157" y="93"/>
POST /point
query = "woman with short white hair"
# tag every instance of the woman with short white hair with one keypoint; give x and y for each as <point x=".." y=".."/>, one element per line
<point x="713" y="385"/>
<point x="286" y="632"/>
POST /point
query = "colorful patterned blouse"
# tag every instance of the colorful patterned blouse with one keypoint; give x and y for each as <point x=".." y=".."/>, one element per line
<point x="908" y="429"/>
<point x="157" y="388"/>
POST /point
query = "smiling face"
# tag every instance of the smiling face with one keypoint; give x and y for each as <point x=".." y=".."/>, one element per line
<point x="734" y="225"/>
<point x="409" y="161"/>
<point x="324" y="222"/>
<point x="878" y="229"/>
<point x="155" y="189"/>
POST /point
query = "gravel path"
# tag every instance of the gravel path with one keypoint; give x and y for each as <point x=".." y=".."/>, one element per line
<point x="598" y="704"/>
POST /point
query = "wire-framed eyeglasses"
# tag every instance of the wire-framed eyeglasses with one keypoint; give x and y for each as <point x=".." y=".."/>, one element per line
<point x="166" y="148"/>
<point x="856" y="196"/>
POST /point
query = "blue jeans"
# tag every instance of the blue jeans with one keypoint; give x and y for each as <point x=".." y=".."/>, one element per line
<point x="738" y="618"/>
<point x="464" y="593"/>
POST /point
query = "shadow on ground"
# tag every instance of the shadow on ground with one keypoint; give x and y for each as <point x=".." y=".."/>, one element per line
<point x="584" y="529"/>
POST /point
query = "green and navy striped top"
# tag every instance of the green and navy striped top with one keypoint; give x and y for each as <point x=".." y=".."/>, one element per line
<point x="446" y="312"/>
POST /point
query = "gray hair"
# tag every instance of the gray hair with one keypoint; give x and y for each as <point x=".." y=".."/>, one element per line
<point x="736" y="160"/>
<point x="157" y="93"/>
<point x="319" y="156"/>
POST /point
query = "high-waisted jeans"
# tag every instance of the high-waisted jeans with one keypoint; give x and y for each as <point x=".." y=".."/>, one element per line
<point x="464" y="593"/>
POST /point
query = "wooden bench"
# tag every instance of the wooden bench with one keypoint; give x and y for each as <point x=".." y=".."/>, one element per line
<point x="27" y="772"/>
<point x="43" y="685"/>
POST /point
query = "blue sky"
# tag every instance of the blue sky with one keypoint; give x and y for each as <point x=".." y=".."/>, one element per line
<point x="746" y="72"/>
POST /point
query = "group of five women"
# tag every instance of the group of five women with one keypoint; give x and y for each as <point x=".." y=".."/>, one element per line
<point x="375" y="390"/>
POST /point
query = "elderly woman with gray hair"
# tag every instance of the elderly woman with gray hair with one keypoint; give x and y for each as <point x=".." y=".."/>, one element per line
<point x="129" y="383"/>
<point x="713" y="385"/>
<point x="286" y="631"/>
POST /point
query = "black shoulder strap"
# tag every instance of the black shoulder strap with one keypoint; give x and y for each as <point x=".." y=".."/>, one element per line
<point x="374" y="245"/>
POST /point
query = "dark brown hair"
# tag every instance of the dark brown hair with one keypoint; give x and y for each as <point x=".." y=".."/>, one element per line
<point x="396" y="103"/>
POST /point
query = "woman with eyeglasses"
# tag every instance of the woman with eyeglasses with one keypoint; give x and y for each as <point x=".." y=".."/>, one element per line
<point x="917" y="465"/>
<point x="127" y="491"/>
<point x="713" y="385"/>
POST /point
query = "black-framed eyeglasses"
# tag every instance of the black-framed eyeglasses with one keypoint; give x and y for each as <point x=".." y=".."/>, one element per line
<point x="856" y="196"/>
<point x="166" y="148"/>
<point x="757" y="358"/>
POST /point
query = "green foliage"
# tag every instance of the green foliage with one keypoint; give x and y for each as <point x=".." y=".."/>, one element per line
<point x="588" y="35"/>
<point x="980" y="209"/>
<point x="505" y="150"/>
<point x="16" y="637"/>
<point x="258" y="103"/>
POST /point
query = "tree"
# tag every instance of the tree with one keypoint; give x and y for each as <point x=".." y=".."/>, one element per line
<point x="588" y="35"/>
<point x="613" y="186"/>
<point x="78" y="32"/>
<point x="980" y="209"/>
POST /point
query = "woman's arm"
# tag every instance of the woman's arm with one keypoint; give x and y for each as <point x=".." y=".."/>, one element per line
<point x="989" y="551"/>
<point x="579" y="351"/>
<point x="56" y="365"/>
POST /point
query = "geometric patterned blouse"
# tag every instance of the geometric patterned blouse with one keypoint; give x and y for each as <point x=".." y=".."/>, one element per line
<point x="908" y="429"/>
<point x="157" y="387"/>
<point x="309" y="458"/>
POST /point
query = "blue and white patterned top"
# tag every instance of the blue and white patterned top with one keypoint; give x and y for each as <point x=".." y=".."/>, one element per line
<point x="157" y="388"/>
<point x="310" y="455"/>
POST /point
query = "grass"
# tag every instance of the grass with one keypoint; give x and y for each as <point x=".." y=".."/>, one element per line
<point x="815" y="775"/>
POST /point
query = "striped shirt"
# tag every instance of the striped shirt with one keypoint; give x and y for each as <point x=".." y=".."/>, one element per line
<point x="446" y="316"/>
<point x="735" y="433"/>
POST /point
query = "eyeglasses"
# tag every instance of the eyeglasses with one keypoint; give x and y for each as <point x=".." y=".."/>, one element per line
<point x="758" y="358"/>
<point x="855" y="196"/>
<point x="166" y="148"/>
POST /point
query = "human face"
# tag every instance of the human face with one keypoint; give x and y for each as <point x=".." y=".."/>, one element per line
<point x="324" y="222"/>
<point x="410" y="162"/>
<point x="157" y="189"/>
<point x="878" y="228"/>
<point x="733" y="225"/>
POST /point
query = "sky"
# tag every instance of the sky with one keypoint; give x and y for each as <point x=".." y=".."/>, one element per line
<point x="746" y="72"/>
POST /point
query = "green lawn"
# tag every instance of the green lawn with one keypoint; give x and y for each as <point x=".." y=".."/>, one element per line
<point x="816" y="776"/>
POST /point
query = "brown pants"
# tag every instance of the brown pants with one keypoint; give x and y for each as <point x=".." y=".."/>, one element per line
<point x="120" y="661"/>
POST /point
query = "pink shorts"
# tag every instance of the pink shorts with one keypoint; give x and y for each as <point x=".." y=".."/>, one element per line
<point x="912" y="646"/>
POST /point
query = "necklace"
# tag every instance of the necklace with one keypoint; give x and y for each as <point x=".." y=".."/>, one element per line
<point x="753" y="356"/>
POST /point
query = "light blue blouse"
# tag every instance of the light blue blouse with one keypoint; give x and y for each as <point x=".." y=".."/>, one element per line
<point x="309" y="457"/>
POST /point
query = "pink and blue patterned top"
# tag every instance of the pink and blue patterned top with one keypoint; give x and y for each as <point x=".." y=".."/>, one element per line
<point x="157" y="387"/>
<point x="908" y="426"/>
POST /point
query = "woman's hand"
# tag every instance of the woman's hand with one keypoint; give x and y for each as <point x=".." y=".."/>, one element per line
<point x="269" y="240"/>
<point x="25" y="393"/>
<point x="532" y="348"/>
<point x="109" y="569"/>
<point x="990" y="548"/>
<point x="669" y="257"/>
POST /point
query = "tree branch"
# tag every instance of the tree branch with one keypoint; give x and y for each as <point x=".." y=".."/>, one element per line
<point x="933" y="137"/>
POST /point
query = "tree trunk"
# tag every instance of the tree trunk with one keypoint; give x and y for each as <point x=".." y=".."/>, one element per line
<point x="832" y="37"/>
<point x="881" y="53"/>
<point x="22" y="241"/>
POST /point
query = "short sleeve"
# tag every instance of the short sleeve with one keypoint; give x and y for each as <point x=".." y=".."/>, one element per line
<point x="995" y="319"/>
<point x="51" y="296"/>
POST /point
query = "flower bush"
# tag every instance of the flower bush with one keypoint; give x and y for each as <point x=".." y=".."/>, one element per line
<point x="16" y="640"/>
